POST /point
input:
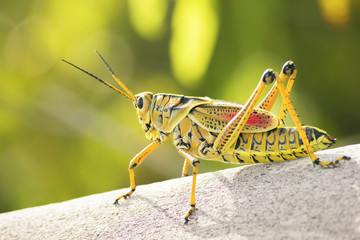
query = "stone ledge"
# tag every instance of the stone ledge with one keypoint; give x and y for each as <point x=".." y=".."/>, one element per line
<point x="263" y="201"/>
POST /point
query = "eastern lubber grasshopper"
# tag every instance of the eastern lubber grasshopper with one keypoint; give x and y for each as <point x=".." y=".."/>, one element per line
<point x="203" y="128"/>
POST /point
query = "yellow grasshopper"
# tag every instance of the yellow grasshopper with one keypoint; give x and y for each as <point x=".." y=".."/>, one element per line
<point x="203" y="128"/>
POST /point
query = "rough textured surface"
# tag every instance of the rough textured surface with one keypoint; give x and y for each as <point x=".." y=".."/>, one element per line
<point x="265" y="201"/>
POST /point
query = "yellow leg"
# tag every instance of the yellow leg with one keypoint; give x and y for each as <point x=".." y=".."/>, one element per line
<point x="288" y="90"/>
<point x="185" y="168"/>
<point x="195" y="163"/>
<point x="290" y="108"/>
<point x="136" y="161"/>
<point x="268" y="102"/>
<point x="231" y="131"/>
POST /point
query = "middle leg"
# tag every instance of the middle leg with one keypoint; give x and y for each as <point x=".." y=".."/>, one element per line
<point x="195" y="163"/>
<point x="185" y="168"/>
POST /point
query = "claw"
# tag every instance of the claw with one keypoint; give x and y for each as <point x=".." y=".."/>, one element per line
<point x="117" y="200"/>
<point x="124" y="196"/>
<point x="192" y="208"/>
<point x="332" y="164"/>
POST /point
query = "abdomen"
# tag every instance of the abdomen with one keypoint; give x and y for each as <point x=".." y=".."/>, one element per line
<point x="279" y="144"/>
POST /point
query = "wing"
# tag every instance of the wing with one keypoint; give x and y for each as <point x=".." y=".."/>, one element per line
<point x="214" y="117"/>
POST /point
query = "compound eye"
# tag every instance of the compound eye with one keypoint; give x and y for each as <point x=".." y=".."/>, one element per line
<point x="140" y="102"/>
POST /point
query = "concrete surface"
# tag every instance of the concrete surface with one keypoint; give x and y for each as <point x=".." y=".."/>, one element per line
<point x="290" y="200"/>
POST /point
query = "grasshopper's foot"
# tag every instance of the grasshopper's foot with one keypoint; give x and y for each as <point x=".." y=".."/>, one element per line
<point x="331" y="164"/>
<point x="186" y="219"/>
<point x="125" y="196"/>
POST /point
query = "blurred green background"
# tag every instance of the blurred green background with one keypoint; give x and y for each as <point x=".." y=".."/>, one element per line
<point x="64" y="135"/>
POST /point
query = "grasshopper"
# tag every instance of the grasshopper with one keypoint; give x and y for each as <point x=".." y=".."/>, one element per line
<point x="204" y="128"/>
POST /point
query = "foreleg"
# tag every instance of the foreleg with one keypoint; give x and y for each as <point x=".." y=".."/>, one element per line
<point x="136" y="161"/>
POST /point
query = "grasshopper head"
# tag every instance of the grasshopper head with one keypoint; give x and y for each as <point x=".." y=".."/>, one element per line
<point x="142" y="106"/>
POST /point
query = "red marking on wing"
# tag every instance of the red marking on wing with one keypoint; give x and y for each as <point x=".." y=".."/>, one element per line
<point x="227" y="116"/>
<point x="255" y="119"/>
<point x="260" y="120"/>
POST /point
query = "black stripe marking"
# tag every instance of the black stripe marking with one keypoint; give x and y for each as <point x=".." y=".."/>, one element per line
<point x="292" y="132"/>
<point x="268" y="143"/>
<point x="224" y="159"/>
<point x="309" y="134"/>
<point x="253" y="158"/>
<point x="268" y="158"/>
<point x="282" y="131"/>
<point x="239" y="159"/>
<point x="237" y="145"/>
<point x="198" y="130"/>
<point x="284" y="158"/>
<point x="166" y="109"/>
<point x="185" y="100"/>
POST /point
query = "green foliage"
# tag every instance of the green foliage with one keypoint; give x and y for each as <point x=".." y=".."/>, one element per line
<point x="63" y="135"/>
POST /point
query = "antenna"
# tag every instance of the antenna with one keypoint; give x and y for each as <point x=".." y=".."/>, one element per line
<point x="131" y="97"/>
<point x="115" y="77"/>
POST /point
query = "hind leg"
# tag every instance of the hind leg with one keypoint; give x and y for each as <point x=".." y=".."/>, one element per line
<point x="268" y="102"/>
<point x="230" y="133"/>
<point x="287" y="104"/>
